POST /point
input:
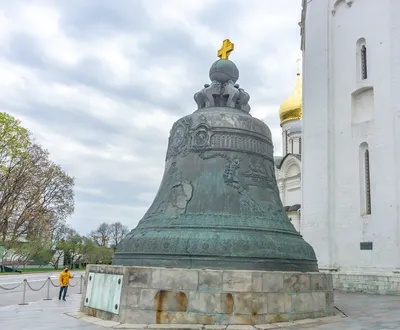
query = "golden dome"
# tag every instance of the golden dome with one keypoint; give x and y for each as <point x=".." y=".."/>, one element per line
<point x="291" y="108"/>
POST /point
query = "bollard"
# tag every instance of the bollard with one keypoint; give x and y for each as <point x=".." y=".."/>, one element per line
<point x="80" y="285"/>
<point x="24" y="294"/>
<point x="48" y="289"/>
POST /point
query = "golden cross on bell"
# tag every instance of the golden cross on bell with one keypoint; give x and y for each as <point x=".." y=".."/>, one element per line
<point x="226" y="49"/>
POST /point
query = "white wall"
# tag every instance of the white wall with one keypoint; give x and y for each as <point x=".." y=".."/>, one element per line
<point x="316" y="225"/>
<point x="344" y="113"/>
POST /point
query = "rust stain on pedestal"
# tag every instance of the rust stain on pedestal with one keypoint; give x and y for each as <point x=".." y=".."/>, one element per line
<point x="160" y="301"/>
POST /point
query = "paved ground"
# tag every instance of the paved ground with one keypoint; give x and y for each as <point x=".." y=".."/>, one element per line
<point x="44" y="315"/>
<point x="365" y="312"/>
<point x="36" y="281"/>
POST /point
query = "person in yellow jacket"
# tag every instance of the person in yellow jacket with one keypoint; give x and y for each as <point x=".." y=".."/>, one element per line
<point x="64" y="282"/>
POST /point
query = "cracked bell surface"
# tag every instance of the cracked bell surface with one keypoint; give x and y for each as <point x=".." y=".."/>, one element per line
<point x="218" y="205"/>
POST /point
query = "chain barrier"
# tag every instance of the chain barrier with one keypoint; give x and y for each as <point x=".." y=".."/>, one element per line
<point x="10" y="289"/>
<point x="48" y="281"/>
<point x="36" y="290"/>
<point x="52" y="283"/>
<point x="73" y="286"/>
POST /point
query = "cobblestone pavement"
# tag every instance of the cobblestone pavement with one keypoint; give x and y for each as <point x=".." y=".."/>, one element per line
<point x="365" y="312"/>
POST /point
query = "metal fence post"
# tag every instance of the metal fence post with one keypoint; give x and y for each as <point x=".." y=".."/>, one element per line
<point x="81" y="285"/>
<point x="48" y="289"/>
<point x="24" y="294"/>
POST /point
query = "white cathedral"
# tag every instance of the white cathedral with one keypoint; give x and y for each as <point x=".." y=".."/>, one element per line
<point x="341" y="142"/>
<point x="288" y="167"/>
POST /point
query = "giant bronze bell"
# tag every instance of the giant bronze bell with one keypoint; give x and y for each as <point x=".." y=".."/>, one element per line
<point x="218" y="205"/>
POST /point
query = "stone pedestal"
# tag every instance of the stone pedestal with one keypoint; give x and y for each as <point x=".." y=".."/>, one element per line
<point x="146" y="295"/>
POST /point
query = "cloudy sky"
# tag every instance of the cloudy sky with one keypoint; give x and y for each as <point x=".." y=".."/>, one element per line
<point x="100" y="83"/>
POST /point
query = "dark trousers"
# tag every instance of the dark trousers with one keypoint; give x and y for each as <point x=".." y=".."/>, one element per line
<point x="63" y="291"/>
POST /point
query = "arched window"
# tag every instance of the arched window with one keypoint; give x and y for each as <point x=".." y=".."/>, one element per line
<point x="364" y="74"/>
<point x="361" y="59"/>
<point x="291" y="145"/>
<point x="367" y="183"/>
<point x="365" y="180"/>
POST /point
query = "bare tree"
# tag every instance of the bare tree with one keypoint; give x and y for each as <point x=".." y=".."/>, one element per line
<point x="101" y="235"/>
<point x="117" y="232"/>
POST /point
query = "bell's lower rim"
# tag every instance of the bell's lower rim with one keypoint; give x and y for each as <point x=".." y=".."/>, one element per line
<point x="221" y="263"/>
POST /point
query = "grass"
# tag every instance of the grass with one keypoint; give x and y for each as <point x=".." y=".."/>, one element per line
<point x="37" y="270"/>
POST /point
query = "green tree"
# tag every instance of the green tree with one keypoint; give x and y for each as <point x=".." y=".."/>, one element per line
<point x="95" y="254"/>
<point x="14" y="139"/>
<point x="35" y="193"/>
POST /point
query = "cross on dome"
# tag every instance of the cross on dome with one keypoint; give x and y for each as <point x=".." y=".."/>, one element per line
<point x="226" y="49"/>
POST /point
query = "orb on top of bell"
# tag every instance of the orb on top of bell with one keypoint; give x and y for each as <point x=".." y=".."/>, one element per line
<point x="223" y="71"/>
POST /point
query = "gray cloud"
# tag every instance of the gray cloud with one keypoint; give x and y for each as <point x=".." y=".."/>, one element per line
<point x="101" y="82"/>
<point x="102" y="18"/>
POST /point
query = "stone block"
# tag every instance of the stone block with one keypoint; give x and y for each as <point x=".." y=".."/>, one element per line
<point x="76" y="315"/>
<point x="236" y="281"/>
<point x="90" y="319"/>
<point x="243" y="303"/>
<point x="107" y="324"/>
<point x="329" y="281"/>
<point x="164" y="300"/>
<point x="306" y="321"/>
<point x="148" y="299"/>
<point x="319" y="282"/>
<point x="272" y="282"/>
<point x="185" y="318"/>
<point x="278" y="318"/>
<point x="260" y="303"/>
<point x="240" y="327"/>
<point x="309" y="302"/>
<point x="285" y="324"/>
<point x="131" y="326"/>
<point x="260" y="319"/>
<point x="265" y="326"/>
<point x="175" y="326"/>
<point x="310" y="315"/>
<point x="279" y="303"/>
<point x="237" y="319"/>
<point x="329" y="301"/>
<point x="205" y="302"/>
<point x="227" y="303"/>
<point x="250" y="303"/>
<point x="142" y="316"/>
<point x="296" y="282"/>
<point x="174" y="279"/>
<point x="215" y="327"/>
<point x="257" y="281"/>
<point x="102" y="315"/>
<point x="210" y="280"/>
<point x="131" y="297"/>
<point x="139" y="277"/>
